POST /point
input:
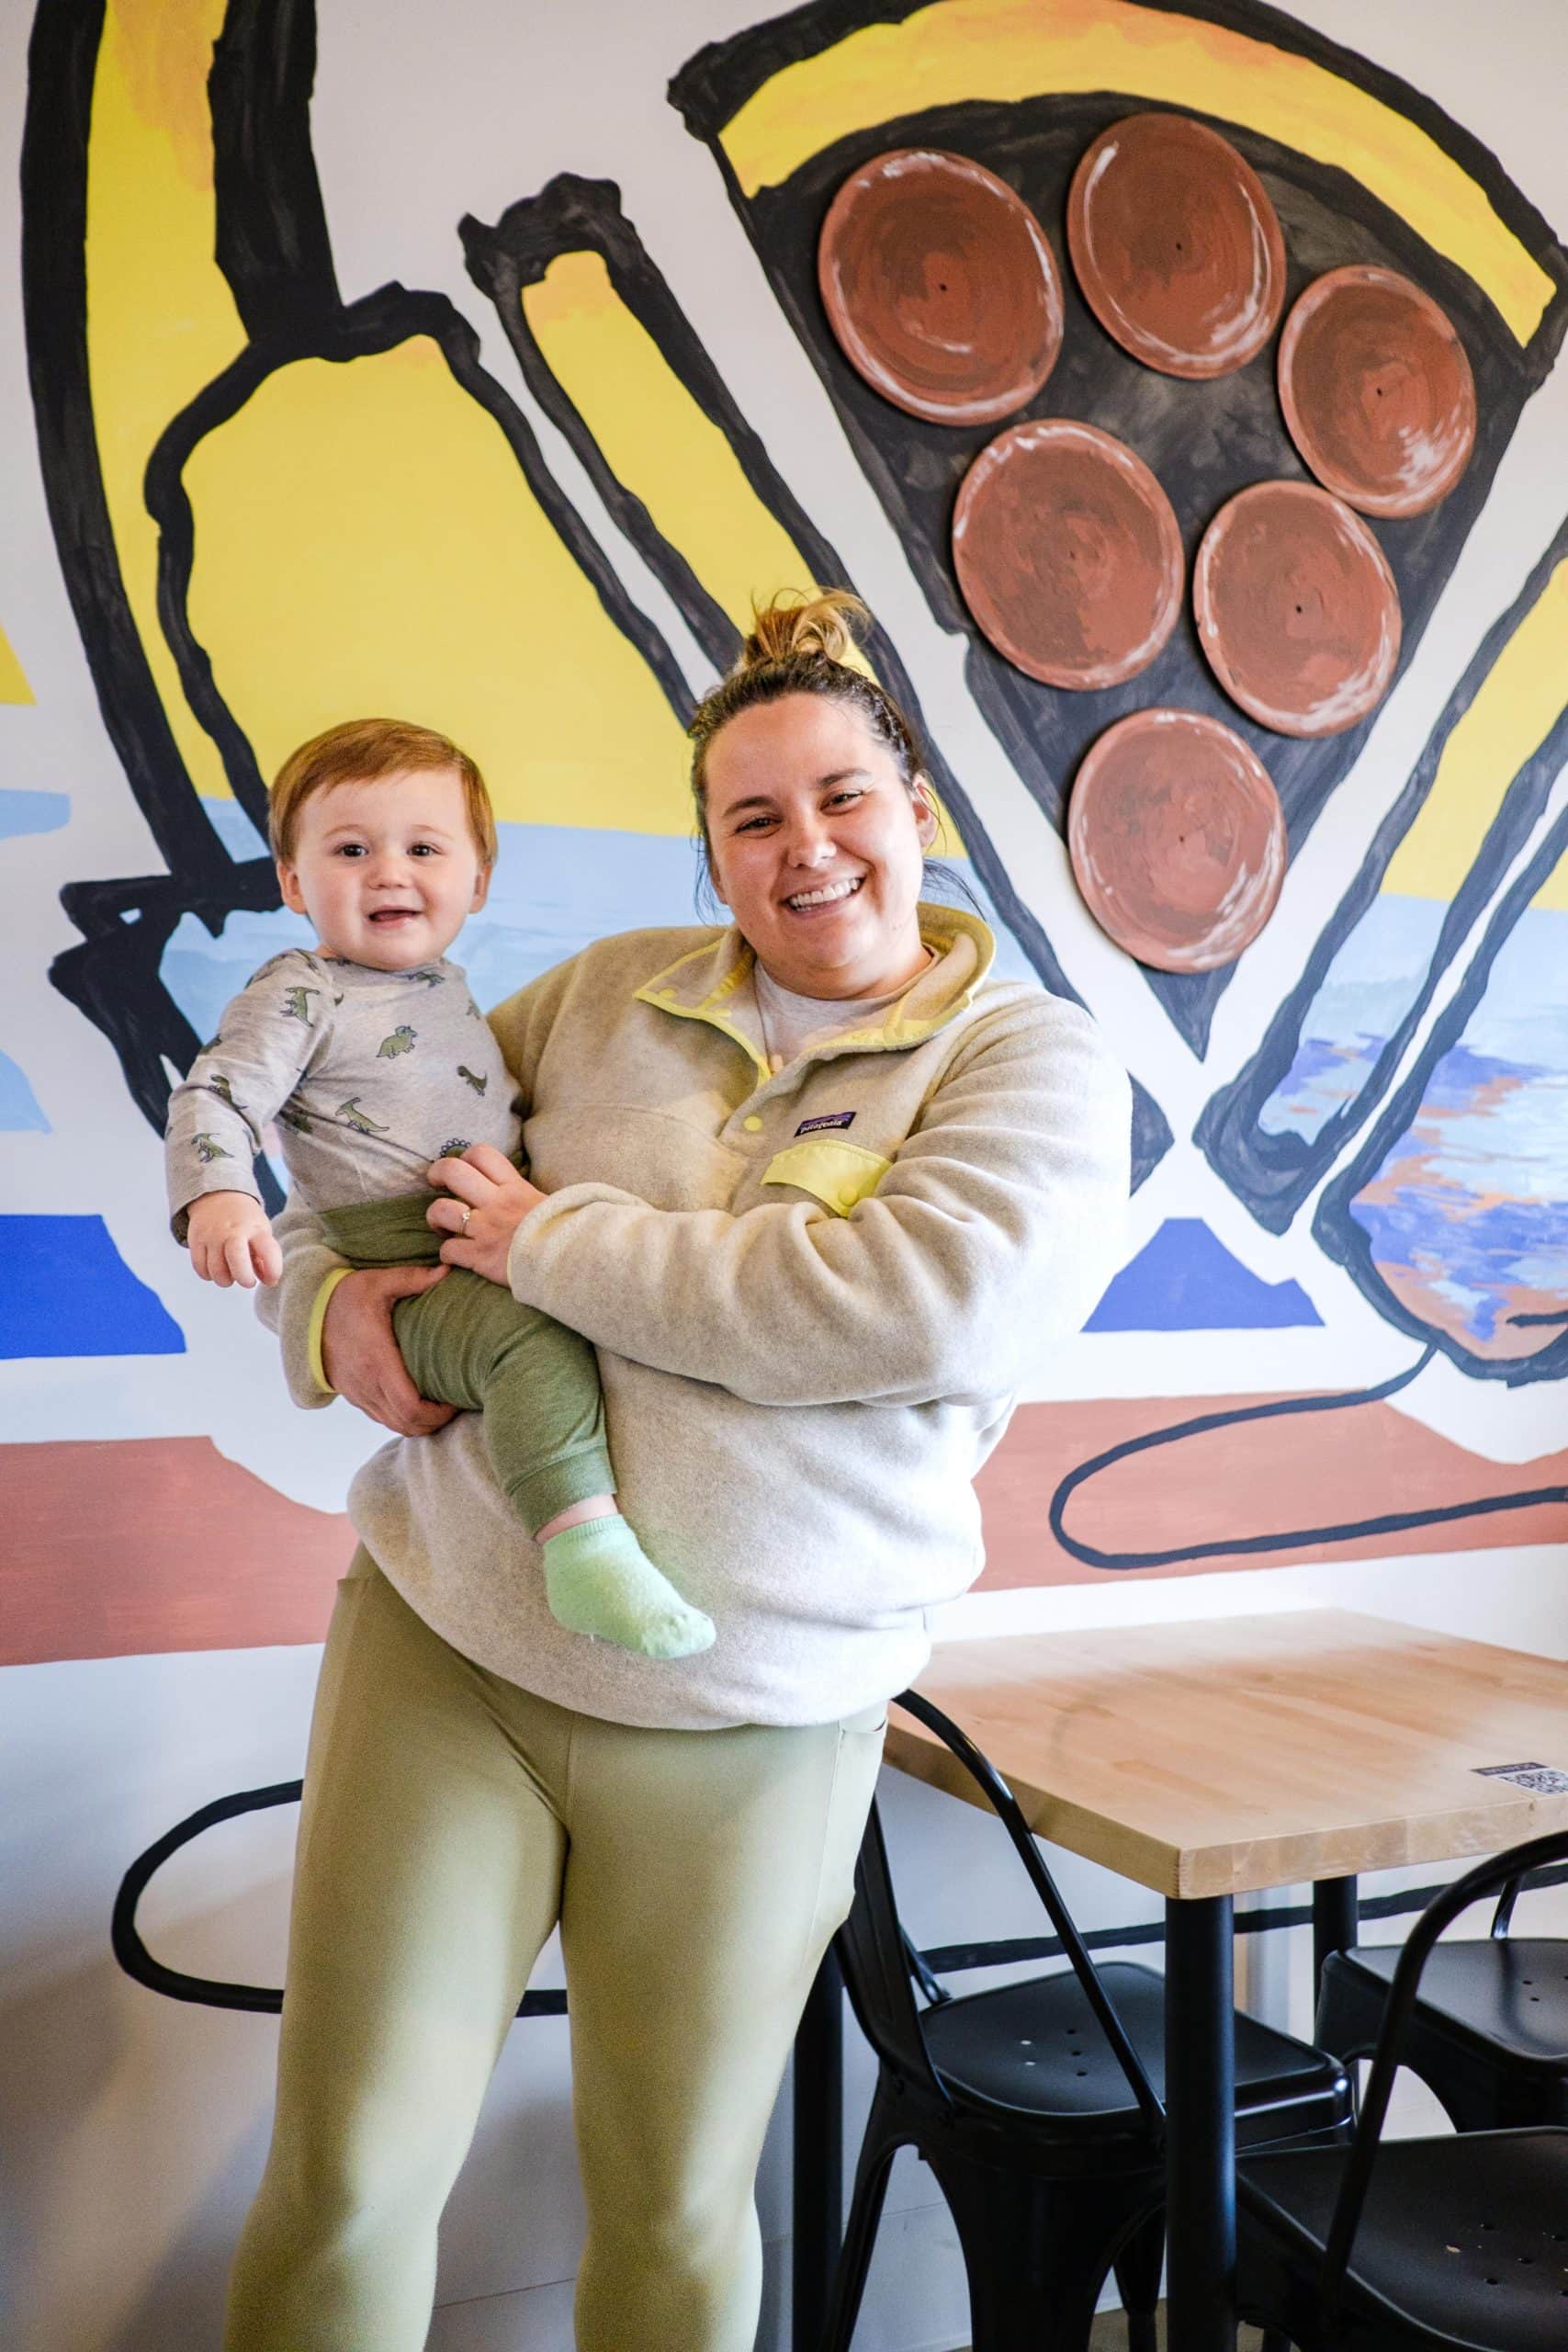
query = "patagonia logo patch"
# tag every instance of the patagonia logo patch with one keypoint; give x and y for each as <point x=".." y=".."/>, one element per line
<point x="818" y="1126"/>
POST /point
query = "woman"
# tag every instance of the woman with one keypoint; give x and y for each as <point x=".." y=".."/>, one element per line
<point x="821" y="1194"/>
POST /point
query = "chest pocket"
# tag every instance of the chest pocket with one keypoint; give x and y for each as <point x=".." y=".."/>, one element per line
<point x="837" y="1174"/>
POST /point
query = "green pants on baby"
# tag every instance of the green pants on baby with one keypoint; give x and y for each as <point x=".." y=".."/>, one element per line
<point x="468" y="1342"/>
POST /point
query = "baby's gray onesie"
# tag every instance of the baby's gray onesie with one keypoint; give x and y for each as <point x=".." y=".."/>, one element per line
<point x="369" y="1075"/>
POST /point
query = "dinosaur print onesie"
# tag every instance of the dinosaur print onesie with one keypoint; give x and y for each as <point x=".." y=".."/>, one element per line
<point x="370" y="1076"/>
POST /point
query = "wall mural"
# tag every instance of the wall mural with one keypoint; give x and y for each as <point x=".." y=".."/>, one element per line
<point x="1183" y="352"/>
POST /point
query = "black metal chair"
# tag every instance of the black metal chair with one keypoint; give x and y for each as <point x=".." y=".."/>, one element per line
<point x="1488" y="2034"/>
<point x="1423" y="2245"/>
<point x="1037" y="2106"/>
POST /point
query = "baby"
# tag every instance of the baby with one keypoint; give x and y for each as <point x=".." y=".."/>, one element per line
<point x="375" y="1061"/>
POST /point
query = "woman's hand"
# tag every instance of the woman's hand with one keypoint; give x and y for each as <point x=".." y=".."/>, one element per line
<point x="359" y="1349"/>
<point x="489" y="1203"/>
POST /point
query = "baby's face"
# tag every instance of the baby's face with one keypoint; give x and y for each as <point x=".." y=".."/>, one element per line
<point x="388" y="871"/>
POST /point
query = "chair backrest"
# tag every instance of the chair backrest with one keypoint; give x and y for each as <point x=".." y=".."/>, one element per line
<point x="877" y="1968"/>
<point x="1441" y="1913"/>
<point x="1503" y="1918"/>
<point x="875" y="1961"/>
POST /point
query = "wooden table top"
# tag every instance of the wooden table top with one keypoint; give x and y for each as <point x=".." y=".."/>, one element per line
<point x="1214" y="1757"/>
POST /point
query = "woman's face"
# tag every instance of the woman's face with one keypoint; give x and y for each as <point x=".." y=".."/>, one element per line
<point x="816" y="847"/>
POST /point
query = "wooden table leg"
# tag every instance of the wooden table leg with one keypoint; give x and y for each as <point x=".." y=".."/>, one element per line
<point x="1200" y="2089"/>
<point x="1336" y="1922"/>
<point x="818" y="2154"/>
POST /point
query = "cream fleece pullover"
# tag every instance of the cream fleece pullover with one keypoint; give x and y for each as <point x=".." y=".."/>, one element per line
<point x="814" y="1294"/>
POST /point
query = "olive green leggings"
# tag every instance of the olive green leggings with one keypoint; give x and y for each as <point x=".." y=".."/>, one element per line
<point x="450" y="1820"/>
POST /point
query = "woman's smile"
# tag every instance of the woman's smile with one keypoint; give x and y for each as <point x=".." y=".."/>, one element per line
<point x="818" y="846"/>
<point x="823" y="895"/>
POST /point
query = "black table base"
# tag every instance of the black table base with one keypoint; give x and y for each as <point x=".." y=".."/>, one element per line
<point x="1200" y="2093"/>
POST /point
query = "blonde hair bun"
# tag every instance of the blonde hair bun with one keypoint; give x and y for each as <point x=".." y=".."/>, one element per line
<point x="793" y="627"/>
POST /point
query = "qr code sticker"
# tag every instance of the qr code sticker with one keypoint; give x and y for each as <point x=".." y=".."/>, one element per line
<point x="1541" y="1779"/>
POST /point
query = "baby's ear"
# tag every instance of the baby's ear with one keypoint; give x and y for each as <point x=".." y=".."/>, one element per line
<point x="288" y="883"/>
<point x="481" y="889"/>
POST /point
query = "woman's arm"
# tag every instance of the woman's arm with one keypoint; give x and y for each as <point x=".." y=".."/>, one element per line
<point x="336" y="1328"/>
<point x="994" y="1230"/>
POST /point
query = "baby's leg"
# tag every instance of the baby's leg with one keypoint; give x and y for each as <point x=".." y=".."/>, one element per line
<point x="468" y="1342"/>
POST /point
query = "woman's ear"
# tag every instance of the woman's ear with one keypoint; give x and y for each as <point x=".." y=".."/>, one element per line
<point x="927" y="824"/>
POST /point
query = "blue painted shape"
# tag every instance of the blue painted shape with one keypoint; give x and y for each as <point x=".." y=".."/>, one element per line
<point x="18" y="1103"/>
<point x="32" y="812"/>
<point x="1186" y="1280"/>
<point x="235" y="829"/>
<point x="66" y="1291"/>
<point x="1465" y="1212"/>
<point x="1376" y="979"/>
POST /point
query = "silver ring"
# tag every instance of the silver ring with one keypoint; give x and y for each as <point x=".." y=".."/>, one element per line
<point x="467" y="1214"/>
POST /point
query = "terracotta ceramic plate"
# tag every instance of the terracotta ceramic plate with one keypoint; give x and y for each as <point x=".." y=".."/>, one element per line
<point x="1068" y="553"/>
<point x="1176" y="245"/>
<point x="940" y="286"/>
<point x="1177" y="839"/>
<point x="1377" y="390"/>
<point x="1297" y="608"/>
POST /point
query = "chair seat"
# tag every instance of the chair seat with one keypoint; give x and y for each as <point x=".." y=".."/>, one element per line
<point x="1037" y="2049"/>
<point x="1463" y="2237"/>
<point x="1508" y="1993"/>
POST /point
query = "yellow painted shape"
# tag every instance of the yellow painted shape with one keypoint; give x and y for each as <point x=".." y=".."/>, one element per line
<point x="1007" y="50"/>
<point x="657" y="441"/>
<point x="160" y="320"/>
<point x="655" y="438"/>
<point x="1521" y="698"/>
<point x="13" y="687"/>
<point x="365" y="543"/>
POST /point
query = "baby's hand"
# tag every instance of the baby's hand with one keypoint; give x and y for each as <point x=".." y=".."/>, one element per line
<point x="231" y="1241"/>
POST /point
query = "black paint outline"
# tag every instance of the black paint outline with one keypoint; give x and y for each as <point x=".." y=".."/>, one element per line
<point x="62" y="67"/>
<point x="710" y="89"/>
<point x="272" y="248"/>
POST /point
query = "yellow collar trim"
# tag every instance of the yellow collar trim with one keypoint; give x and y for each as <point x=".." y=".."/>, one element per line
<point x="698" y="984"/>
<point x="666" y="994"/>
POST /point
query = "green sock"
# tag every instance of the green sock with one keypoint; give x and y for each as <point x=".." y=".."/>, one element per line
<point x="598" y="1580"/>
